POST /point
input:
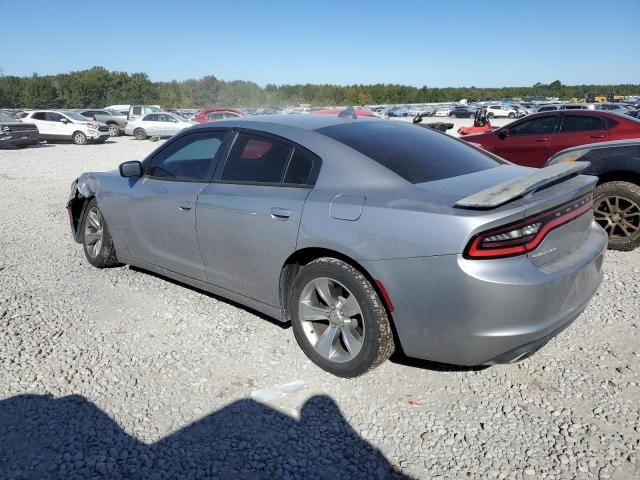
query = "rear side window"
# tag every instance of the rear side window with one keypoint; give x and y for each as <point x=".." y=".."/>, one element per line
<point x="415" y="153"/>
<point x="302" y="168"/>
<point x="535" y="126"/>
<point x="153" y="117"/>
<point x="256" y="159"/>
<point x="581" y="123"/>
<point x="39" y="116"/>
<point x="137" y="110"/>
<point x="189" y="158"/>
<point x="610" y="122"/>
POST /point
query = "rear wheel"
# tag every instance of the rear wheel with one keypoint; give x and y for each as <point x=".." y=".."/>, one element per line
<point x="490" y="115"/>
<point x="338" y="319"/>
<point x="79" y="138"/>
<point x="512" y="115"/>
<point x="96" y="238"/>
<point x="114" y="130"/>
<point x="616" y="208"/>
<point x="140" y="134"/>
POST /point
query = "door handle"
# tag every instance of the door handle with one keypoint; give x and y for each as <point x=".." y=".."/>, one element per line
<point x="280" y="213"/>
<point x="541" y="139"/>
<point x="184" y="207"/>
<point x="596" y="136"/>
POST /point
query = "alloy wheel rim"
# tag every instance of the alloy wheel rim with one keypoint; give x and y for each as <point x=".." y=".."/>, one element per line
<point x="331" y="319"/>
<point x="113" y="130"/>
<point x="619" y="216"/>
<point x="93" y="232"/>
<point x="80" y="138"/>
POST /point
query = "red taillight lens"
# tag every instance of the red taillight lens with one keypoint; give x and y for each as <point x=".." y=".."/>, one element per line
<point x="524" y="236"/>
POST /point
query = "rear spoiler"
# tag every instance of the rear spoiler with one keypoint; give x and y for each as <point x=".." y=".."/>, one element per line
<point x="507" y="191"/>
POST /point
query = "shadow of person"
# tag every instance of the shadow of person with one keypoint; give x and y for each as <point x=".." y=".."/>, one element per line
<point x="70" y="438"/>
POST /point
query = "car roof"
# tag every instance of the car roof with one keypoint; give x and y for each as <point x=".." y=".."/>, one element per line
<point x="295" y="120"/>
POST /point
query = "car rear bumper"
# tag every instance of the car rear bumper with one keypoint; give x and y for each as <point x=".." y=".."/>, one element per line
<point x="471" y="312"/>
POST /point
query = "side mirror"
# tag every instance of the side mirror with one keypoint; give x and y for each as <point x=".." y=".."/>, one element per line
<point x="64" y="120"/>
<point x="503" y="133"/>
<point x="131" y="169"/>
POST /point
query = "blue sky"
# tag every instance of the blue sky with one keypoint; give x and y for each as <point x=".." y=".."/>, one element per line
<point x="434" y="43"/>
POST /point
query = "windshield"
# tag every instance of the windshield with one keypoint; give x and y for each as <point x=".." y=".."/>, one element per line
<point x="75" y="116"/>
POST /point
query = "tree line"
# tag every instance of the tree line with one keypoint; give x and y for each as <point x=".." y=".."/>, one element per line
<point x="98" y="87"/>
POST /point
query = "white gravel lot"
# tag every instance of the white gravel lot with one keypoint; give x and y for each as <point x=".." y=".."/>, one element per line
<point x="122" y="374"/>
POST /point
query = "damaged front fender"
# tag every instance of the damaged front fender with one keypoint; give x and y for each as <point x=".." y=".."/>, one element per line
<point x="82" y="190"/>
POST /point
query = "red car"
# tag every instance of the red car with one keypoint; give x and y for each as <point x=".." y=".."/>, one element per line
<point x="533" y="139"/>
<point x="217" y="113"/>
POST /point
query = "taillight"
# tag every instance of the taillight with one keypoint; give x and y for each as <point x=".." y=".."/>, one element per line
<point x="525" y="236"/>
<point x="126" y="123"/>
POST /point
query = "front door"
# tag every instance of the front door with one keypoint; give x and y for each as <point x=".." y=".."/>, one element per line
<point x="527" y="142"/>
<point x="248" y="220"/>
<point x="162" y="204"/>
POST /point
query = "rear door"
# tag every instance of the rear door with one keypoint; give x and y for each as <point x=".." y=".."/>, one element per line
<point x="161" y="208"/>
<point x="578" y="130"/>
<point x="528" y="142"/>
<point x="45" y="127"/>
<point x="248" y="219"/>
<point x="151" y="124"/>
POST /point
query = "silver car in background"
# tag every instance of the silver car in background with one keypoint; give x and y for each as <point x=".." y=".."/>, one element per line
<point x="158" y="124"/>
<point x="366" y="234"/>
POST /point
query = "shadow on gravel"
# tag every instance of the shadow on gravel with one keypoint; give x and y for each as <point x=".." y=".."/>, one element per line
<point x="277" y="323"/>
<point x="70" y="438"/>
<point x="401" y="359"/>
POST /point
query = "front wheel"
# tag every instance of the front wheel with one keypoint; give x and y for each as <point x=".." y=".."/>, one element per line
<point x="338" y="318"/>
<point x="96" y="238"/>
<point x="140" y="134"/>
<point x="512" y="115"/>
<point x="79" y="138"/>
<point x="616" y="208"/>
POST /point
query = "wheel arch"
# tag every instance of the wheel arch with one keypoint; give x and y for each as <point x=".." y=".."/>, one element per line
<point x="619" y="176"/>
<point x="302" y="257"/>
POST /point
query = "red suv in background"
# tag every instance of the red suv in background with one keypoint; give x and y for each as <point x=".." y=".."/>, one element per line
<point x="216" y="113"/>
<point x="532" y="140"/>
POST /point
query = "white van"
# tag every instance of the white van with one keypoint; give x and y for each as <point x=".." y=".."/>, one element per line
<point x="137" y="111"/>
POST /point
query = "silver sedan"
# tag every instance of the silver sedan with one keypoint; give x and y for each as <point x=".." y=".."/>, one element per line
<point x="157" y="124"/>
<point x="366" y="234"/>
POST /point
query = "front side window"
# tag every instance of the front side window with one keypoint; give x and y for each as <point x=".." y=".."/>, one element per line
<point x="535" y="126"/>
<point x="54" y="117"/>
<point x="581" y="123"/>
<point x="189" y="158"/>
<point x="256" y="159"/>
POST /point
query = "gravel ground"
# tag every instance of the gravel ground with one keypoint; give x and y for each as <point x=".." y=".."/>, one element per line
<point x="122" y="374"/>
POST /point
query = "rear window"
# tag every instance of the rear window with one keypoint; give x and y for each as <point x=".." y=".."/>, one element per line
<point x="417" y="154"/>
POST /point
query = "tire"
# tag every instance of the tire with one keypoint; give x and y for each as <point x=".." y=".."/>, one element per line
<point x="79" y="138"/>
<point x="96" y="238"/>
<point x="366" y="326"/>
<point x="512" y="115"/>
<point x="616" y="208"/>
<point x="490" y="115"/>
<point x="140" y="134"/>
<point x="114" y="130"/>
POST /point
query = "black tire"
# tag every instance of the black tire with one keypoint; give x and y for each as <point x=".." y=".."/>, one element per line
<point x="616" y="208"/>
<point x="378" y="342"/>
<point x="512" y="115"/>
<point x="114" y="130"/>
<point x="490" y="115"/>
<point x="106" y="255"/>
<point x="79" y="138"/>
<point x="140" y="134"/>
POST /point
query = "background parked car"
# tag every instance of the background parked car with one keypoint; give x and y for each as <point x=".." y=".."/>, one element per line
<point x="616" y="202"/>
<point x="532" y="140"/>
<point x="443" y="111"/>
<point x="504" y="111"/>
<point x="56" y="125"/>
<point x="113" y="119"/>
<point x="212" y="114"/>
<point x="463" y="111"/>
<point x="121" y="109"/>
<point x="161" y="124"/>
<point x="14" y="133"/>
